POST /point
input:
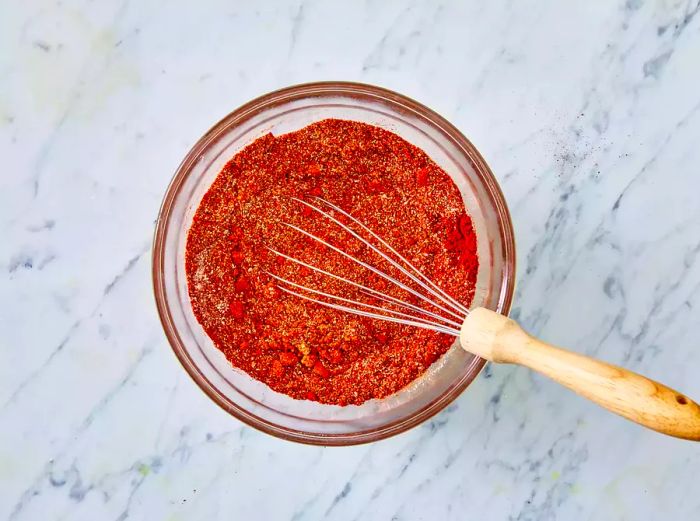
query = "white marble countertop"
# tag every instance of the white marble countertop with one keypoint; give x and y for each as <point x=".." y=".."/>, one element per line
<point x="588" y="112"/>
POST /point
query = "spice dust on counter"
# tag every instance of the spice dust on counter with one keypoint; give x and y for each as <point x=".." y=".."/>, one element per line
<point x="300" y="348"/>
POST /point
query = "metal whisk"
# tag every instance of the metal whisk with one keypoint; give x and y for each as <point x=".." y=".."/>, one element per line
<point x="488" y="334"/>
<point x="434" y="321"/>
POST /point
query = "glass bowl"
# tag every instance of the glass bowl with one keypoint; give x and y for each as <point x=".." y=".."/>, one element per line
<point x="284" y="111"/>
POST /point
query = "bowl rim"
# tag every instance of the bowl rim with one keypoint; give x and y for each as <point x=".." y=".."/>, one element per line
<point x="249" y="109"/>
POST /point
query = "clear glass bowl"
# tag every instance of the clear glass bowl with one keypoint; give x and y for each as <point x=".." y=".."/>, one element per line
<point x="283" y="111"/>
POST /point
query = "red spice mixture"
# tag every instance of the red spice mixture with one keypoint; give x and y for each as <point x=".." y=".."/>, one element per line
<point x="299" y="348"/>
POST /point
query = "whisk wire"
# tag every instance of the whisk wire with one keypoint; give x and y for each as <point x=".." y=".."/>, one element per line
<point x="374" y="270"/>
<point x="356" y="302"/>
<point x="445" y="297"/>
<point x="376" y="250"/>
<point x="431" y="320"/>
<point x="373" y="292"/>
<point x="439" y="329"/>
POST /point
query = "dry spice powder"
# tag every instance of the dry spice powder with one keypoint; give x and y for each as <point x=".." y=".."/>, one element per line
<point x="303" y="349"/>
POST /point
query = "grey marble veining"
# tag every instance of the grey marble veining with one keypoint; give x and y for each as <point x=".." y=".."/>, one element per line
<point x="588" y="112"/>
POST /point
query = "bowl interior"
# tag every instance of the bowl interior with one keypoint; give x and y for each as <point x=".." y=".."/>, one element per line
<point x="285" y="111"/>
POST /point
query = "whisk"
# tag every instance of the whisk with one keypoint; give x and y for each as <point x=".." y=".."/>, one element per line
<point x="485" y="333"/>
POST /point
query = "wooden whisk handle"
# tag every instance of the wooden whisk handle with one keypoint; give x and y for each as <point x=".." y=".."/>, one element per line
<point x="499" y="339"/>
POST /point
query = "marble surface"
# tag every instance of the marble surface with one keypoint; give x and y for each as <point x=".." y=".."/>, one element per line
<point x="588" y="112"/>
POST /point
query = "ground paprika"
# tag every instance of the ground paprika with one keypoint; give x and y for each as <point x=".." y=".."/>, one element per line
<point x="303" y="349"/>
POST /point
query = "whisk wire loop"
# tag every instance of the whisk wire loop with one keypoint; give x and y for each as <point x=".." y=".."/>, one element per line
<point x="445" y="299"/>
<point x="426" y="319"/>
